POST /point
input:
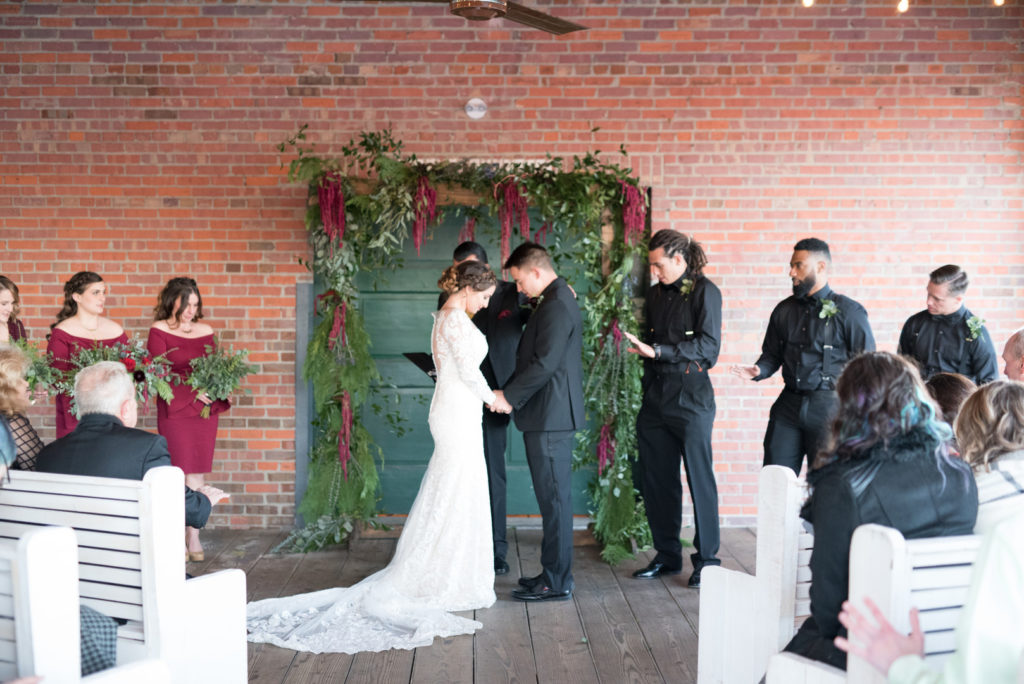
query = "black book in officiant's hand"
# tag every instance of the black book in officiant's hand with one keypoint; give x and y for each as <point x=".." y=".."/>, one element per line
<point x="424" y="362"/>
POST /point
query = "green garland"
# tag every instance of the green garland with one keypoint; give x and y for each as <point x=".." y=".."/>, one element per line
<point x="385" y="197"/>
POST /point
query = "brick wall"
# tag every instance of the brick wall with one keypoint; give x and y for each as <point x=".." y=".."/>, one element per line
<point x="138" y="140"/>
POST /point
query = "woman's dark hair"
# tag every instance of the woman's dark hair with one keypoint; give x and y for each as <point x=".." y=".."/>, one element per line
<point x="75" y="285"/>
<point x="881" y="396"/>
<point x="167" y="302"/>
<point x="471" y="274"/>
<point x="674" y="242"/>
<point x="8" y="284"/>
<point x="950" y="391"/>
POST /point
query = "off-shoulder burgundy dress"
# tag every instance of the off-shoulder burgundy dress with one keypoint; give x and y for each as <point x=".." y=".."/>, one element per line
<point x="190" y="437"/>
<point x="63" y="346"/>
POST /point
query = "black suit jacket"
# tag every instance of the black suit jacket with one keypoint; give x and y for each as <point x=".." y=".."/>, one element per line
<point x="101" y="446"/>
<point x="502" y="324"/>
<point x="546" y="390"/>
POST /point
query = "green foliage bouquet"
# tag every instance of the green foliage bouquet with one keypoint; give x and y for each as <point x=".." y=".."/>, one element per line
<point x="40" y="374"/>
<point x="219" y="373"/>
<point x="151" y="374"/>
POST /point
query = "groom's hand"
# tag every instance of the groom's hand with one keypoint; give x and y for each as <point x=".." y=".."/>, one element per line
<point x="500" y="404"/>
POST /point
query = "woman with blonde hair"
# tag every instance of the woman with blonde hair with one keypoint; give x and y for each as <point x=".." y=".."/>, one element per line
<point x="14" y="401"/>
<point x="990" y="432"/>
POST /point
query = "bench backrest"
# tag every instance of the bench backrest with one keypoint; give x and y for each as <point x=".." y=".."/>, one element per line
<point x="931" y="574"/>
<point x="39" y="606"/>
<point x="783" y="549"/>
<point x="130" y="564"/>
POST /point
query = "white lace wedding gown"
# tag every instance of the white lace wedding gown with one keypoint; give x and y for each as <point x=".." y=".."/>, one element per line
<point x="444" y="559"/>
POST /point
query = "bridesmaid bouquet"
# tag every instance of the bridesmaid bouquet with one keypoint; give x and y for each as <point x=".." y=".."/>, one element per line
<point x="152" y="374"/>
<point x="219" y="373"/>
<point x="41" y="374"/>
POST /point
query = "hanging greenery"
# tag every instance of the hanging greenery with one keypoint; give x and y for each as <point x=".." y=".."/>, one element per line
<point x="364" y="205"/>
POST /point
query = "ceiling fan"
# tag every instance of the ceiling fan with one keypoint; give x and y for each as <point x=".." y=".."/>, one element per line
<point x="482" y="10"/>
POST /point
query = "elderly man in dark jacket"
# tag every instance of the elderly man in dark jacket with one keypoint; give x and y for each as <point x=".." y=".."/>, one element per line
<point x="106" y="444"/>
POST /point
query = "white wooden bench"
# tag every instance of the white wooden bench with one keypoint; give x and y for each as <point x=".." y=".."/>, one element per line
<point x="931" y="574"/>
<point x="39" y="625"/>
<point x="746" y="619"/>
<point x="131" y="566"/>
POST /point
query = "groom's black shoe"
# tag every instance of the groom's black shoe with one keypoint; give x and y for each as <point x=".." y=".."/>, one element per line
<point x="657" y="569"/>
<point x="531" y="582"/>
<point x="541" y="593"/>
<point x="500" y="566"/>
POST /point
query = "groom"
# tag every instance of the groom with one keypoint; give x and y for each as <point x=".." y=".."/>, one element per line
<point x="546" y="392"/>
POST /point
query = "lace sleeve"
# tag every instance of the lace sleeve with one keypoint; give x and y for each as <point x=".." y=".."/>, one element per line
<point x="457" y="332"/>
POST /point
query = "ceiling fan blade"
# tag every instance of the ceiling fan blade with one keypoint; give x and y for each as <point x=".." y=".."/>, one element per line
<point x="545" y="22"/>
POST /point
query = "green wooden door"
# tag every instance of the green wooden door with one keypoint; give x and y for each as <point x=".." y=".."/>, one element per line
<point x="397" y="309"/>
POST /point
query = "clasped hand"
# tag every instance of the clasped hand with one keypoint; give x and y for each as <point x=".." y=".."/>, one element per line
<point x="500" y="404"/>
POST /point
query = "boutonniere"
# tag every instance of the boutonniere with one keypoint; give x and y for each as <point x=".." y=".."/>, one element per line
<point x="974" y="326"/>
<point x="505" y="313"/>
<point x="828" y="309"/>
<point x="686" y="286"/>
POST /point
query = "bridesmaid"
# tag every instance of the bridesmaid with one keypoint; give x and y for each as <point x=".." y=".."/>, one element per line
<point x="11" y="329"/>
<point x="80" y="324"/>
<point x="177" y="332"/>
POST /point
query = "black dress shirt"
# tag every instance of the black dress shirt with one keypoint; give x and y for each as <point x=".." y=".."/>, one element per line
<point x="683" y="328"/>
<point x="943" y="344"/>
<point x="797" y="339"/>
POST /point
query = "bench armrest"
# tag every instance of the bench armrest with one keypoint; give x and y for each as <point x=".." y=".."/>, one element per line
<point x="789" y="668"/>
<point x="214" y="617"/>
<point x="148" y="671"/>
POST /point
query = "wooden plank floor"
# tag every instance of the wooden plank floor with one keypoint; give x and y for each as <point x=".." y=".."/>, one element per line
<point x="616" y="629"/>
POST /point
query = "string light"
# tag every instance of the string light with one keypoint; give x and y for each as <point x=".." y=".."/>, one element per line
<point x="807" y="3"/>
<point x="903" y="6"/>
<point x="998" y="3"/>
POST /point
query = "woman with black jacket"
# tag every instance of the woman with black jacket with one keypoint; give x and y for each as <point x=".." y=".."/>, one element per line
<point x="888" y="461"/>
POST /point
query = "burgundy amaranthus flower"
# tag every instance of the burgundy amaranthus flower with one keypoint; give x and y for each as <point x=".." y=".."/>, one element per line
<point x="345" y="434"/>
<point x="634" y="213"/>
<point x="332" y="207"/>
<point x="511" y="205"/>
<point x="605" y="448"/>
<point x="425" y="211"/>
<point x="337" y="327"/>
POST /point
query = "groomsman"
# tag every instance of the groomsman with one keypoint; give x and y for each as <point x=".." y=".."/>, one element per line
<point x="501" y="322"/>
<point x="811" y="335"/>
<point x="546" y="392"/>
<point x="946" y="337"/>
<point x="683" y="329"/>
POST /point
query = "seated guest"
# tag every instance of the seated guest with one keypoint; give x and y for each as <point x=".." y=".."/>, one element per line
<point x="14" y="402"/>
<point x="105" y="442"/>
<point x="950" y="391"/>
<point x="887" y="461"/>
<point x="990" y="431"/>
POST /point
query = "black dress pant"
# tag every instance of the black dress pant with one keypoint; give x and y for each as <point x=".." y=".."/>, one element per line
<point x="675" y="421"/>
<point x="495" y="426"/>
<point x="549" y="455"/>
<point x="797" y="426"/>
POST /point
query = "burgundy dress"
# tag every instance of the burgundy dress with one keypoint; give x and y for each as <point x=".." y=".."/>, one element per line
<point x="190" y="437"/>
<point x="63" y="346"/>
<point x="16" y="329"/>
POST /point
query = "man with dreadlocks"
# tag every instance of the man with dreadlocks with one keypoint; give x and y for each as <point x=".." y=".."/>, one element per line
<point x="683" y="332"/>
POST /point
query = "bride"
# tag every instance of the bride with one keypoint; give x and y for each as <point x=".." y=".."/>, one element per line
<point x="443" y="560"/>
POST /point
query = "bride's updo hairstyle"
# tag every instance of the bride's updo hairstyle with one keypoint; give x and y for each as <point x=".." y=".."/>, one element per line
<point x="470" y="274"/>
